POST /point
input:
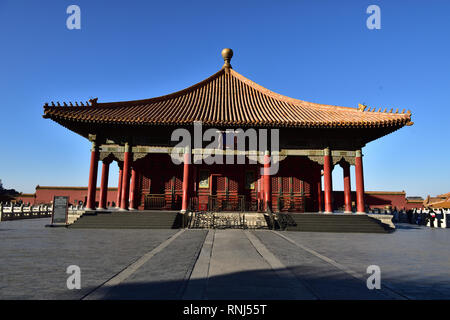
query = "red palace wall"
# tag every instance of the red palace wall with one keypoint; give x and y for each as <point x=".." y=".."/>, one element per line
<point x="374" y="199"/>
<point x="379" y="199"/>
<point x="45" y="195"/>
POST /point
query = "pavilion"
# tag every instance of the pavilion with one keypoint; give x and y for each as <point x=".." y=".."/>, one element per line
<point x="313" y="139"/>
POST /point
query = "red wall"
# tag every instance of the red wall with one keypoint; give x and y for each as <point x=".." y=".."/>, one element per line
<point x="378" y="199"/>
<point x="26" y="198"/>
<point x="45" y="195"/>
<point x="373" y="199"/>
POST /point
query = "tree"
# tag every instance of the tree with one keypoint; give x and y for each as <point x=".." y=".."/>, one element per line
<point x="7" y="194"/>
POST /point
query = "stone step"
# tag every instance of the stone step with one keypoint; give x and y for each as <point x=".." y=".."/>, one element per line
<point x="105" y="226"/>
<point x="331" y="217"/>
<point x="334" y="223"/>
<point x="331" y="223"/>
<point x="128" y="220"/>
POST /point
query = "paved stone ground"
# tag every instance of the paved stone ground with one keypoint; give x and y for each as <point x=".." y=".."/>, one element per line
<point x="34" y="259"/>
<point x="220" y="264"/>
<point x="414" y="261"/>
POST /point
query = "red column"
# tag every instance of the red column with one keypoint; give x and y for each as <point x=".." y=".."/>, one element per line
<point x="347" y="187"/>
<point x="119" y="186"/>
<point x="125" y="178"/>
<point x="327" y="182"/>
<point x="267" y="183"/>
<point x="359" y="179"/>
<point x="319" y="192"/>
<point x="92" y="185"/>
<point x="133" y="190"/>
<point x="186" y="167"/>
<point x="261" y="191"/>
<point x="104" y="185"/>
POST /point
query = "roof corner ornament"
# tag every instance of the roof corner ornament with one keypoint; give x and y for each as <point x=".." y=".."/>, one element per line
<point x="93" y="102"/>
<point x="361" y="107"/>
<point x="409" y="122"/>
<point x="227" y="54"/>
<point x="92" y="138"/>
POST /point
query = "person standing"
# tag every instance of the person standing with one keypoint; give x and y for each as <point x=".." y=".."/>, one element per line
<point x="409" y="215"/>
<point x="395" y="214"/>
<point x="438" y="217"/>
<point x="431" y="216"/>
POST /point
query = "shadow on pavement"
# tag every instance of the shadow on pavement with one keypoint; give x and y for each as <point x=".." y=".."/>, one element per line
<point x="264" y="285"/>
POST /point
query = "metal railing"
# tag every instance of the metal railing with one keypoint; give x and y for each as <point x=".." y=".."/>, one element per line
<point x="155" y="201"/>
<point x="226" y="203"/>
<point x="193" y="204"/>
<point x="291" y="203"/>
<point x="162" y="202"/>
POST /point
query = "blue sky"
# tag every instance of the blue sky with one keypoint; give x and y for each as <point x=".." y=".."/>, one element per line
<point x="314" y="50"/>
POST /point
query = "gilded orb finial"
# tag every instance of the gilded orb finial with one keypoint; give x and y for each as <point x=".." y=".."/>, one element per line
<point x="227" y="54"/>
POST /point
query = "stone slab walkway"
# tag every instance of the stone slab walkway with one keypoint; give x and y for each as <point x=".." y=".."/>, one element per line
<point x="220" y="264"/>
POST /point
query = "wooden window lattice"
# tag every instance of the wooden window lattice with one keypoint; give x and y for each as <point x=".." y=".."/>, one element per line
<point x="233" y="185"/>
<point x="220" y="183"/>
<point x="297" y="185"/>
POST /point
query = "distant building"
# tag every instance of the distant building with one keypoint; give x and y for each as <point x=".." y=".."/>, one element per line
<point x="439" y="201"/>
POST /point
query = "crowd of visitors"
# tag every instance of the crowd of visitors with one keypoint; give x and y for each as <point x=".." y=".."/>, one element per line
<point x="423" y="216"/>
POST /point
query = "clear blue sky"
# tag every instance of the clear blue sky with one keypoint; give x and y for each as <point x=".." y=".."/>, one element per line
<point x="319" y="51"/>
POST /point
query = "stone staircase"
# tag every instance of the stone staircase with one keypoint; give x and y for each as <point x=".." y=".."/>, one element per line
<point x="315" y="222"/>
<point x="310" y="222"/>
<point x="128" y="220"/>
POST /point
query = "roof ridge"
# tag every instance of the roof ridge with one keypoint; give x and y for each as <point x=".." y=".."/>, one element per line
<point x="293" y="101"/>
<point x="172" y="95"/>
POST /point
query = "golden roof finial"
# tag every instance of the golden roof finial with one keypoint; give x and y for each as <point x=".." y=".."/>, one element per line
<point x="227" y="54"/>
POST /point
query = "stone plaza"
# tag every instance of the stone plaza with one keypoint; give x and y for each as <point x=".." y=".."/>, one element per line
<point x="188" y="264"/>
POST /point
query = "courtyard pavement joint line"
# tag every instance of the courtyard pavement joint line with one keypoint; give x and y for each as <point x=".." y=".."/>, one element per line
<point x="305" y="293"/>
<point x="352" y="273"/>
<point x="102" y="291"/>
<point x="198" y="281"/>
